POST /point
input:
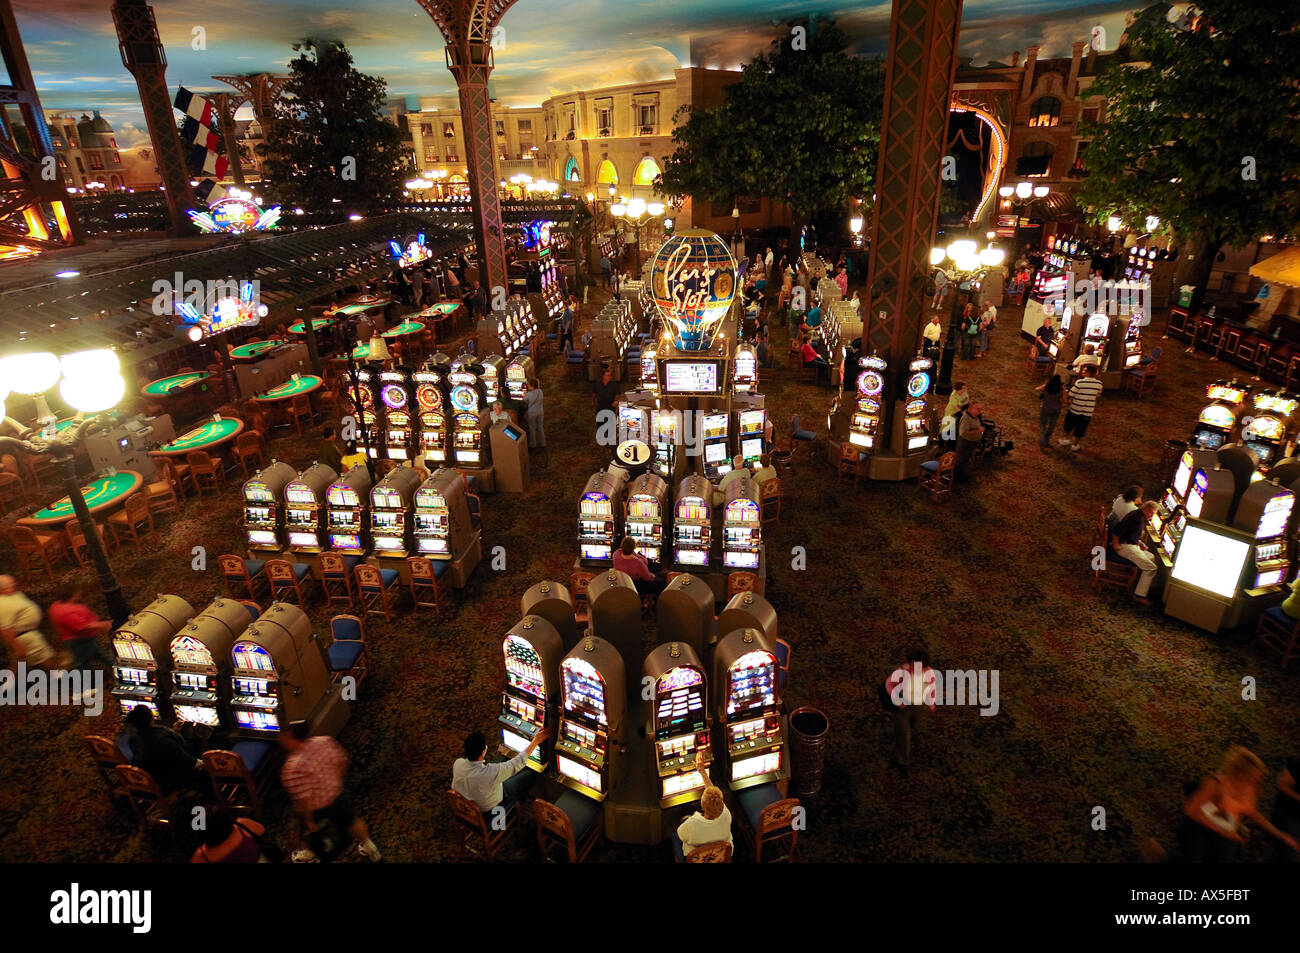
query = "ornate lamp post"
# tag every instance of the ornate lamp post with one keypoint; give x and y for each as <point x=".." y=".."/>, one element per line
<point x="637" y="213"/>
<point x="965" y="266"/>
<point x="91" y="383"/>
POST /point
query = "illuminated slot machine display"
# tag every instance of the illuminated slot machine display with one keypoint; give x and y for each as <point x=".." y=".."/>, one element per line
<point x="399" y="429"/>
<point x="597" y="509"/>
<point x="433" y="416"/>
<point x="304" y="508"/>
<point x="631" y="422"/>
<point x="750" y="425"/>
<point x="665" y="432"/>
<point x="518" y="373"/>
<point x="371" y="415"/>
<point x="1059" y="349"/>
<point x="864" y="426"/>
<point x="263" y="508"/>
<point x="716" y="459"/>
<point x="532" y="649"/>
<point x="749" y="708"/>
<point x="492" y="370"/>
<point x="142" y="654"/>
<point x="745" y="378"/>
<point x="390" y="512"/>
<point x="592" y="704"/>
<point x="1269" y="432"/>
<point x="916" y="413"/>
<point x="649" y="370"/>
<point x="1210" y="495"/>
<point x="1265" y="512"/>
<point x="468" y="423"/>
<point x="1219" y="417"/>
<point x="693" y="522"/>
<point x="347" y="513"/>
<point x="1097" y="333"/>
<point x="201" y="663"/>
<point x="441" y="514"/>
<point x="1133" y="342"/>
<point x="680" y="722"/>
<point x="278" y="673"/>
<point x="647" y="501"/>
<point x="741" y="526"/>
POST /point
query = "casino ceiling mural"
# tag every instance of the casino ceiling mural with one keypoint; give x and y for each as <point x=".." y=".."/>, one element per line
<point x="550" y="46"/>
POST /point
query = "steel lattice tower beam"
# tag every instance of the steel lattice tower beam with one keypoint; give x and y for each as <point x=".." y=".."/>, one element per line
<point x="467" y="26"/>
<point x="30" y="182"/>
<point x="143" y="56"/>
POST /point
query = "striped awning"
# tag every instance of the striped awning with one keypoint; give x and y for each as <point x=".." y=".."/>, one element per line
<point x="1280" y="269"/>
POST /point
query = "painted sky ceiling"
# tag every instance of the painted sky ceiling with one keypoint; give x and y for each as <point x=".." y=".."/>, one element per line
<point x="550" y="46"/>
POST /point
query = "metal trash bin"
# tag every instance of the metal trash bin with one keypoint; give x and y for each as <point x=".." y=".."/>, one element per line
<point x="809" y="728"/>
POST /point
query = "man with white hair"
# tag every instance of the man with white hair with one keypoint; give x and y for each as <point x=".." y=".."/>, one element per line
<point x="19" y="620"/>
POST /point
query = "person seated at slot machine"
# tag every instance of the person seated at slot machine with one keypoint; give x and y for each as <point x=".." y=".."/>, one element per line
<point x="761" y="350"/>
<point x="731" y="476"/>
<point x="628" y="560"/>
<point x="1044" y="336"/>
<point x="1085" y="359"/>
<point x="812" y="359"/>
<point x="1128" y="543"/>
<point x="493" y="784"/>
<point x="163" y="753"/>
<point x="765" y="471"/>
<point x="353" y="457"/>
<point x="1124" y="504"/>
<point x="711" y="824"/>
<point x="499" y="413"/>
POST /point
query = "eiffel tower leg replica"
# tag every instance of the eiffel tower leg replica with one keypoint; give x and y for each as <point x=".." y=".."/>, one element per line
<point x="918" y="88"/>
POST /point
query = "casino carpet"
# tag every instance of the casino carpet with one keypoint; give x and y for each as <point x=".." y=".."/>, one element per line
<point x="1107" y="708"/>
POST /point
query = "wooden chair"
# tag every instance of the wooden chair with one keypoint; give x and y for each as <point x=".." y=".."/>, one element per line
<point x="107" y="756"/>
<point x="1140" y="379"/>
<point x="1110" y="568"/>
<point x="1280" y="634"/>
<point x="248" y="446"/>
<point x="77" y="542"/>
<point x="240" y="786"/>
<point x="289" y="581"/>
<point x="38" y="469"/>
<point x="248" y="575"/>
<point x="477" y="828"/>
<point x="719" y="852"/>
<point x="377" y="590"/>
<point x="741" y="582"/>
<point x="336" y="579"/>
<point x="347" y="653"/>
<point x="131" y="519"/>
<point x="937" y="476"/>
<point x="573" y="822"/>
<point x="475" y="505"/>
<point x="300" y="409"/>
<point x="799" y="435"/>
<point x="426" y="590"/>
<point x="147" y="799"/>
<point x="767" y="819"/>
<point x="769" y="500"/>
<point x="781" y="648"/>
<point x="253" y="608"/>
<point x="850" y="463"/>
<point x="11" y="483"/>
<point x="578" y="584"/>
<point x="204" y="468"/>
<point x="1042" y="363"/>
<point x="164" y="496"/>
<point x="256" y="415"/>
<point x="37" y="549"/>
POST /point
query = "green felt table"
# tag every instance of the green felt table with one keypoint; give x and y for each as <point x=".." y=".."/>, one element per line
<point x="316" y="324"/>
<point x="246" y="352"/>
<point x="291" y="388"/>
<point x="99" y="495"/>
<point x="359" y="307"/>
<point x="405" y="328"/>
<point x="439" y="310"/>
<point x="169" y="386"/>
<point x="210" y="434"/>
<point x="63" y="425"/>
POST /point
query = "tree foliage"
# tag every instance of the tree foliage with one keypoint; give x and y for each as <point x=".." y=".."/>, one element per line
<point x="1201" y="127"/>
<point x="800" y="126"/>
<point x="332" y="140"/>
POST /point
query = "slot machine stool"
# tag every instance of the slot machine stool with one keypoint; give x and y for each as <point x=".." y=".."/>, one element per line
<point x="766" y="818"/>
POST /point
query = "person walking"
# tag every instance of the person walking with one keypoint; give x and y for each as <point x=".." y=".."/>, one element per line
<point x="533" y="416"/>
<point x="313" y="774"/>
<point x="909" y="689"/>
<point x="20" y="620"/>
<point x="1083" y="394"/>
<point x="987" y="322"/>
<point x="567" y="322"/>
<point x="77" y="626"/>
<point x="1052" y="395"/>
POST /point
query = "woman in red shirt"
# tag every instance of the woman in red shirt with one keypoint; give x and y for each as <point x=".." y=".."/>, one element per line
<point x="628" y="560"/>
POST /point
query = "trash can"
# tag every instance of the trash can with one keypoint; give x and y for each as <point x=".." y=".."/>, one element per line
<point x="808" y="730"/>
<point x="1185" y="296"/>
<point x="1174" y="450"/>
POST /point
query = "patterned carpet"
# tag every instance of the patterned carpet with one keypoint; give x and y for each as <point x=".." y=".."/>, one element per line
<point x="1103" y="703"/>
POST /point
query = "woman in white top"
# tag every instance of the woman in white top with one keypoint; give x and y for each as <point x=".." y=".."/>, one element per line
<point x="709" y="825"/>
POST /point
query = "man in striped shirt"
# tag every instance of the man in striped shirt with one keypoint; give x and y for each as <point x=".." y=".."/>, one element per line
<point x="1083" y="401"/>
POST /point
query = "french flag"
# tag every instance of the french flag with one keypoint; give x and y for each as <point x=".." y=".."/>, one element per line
<point x="195" y="107"/>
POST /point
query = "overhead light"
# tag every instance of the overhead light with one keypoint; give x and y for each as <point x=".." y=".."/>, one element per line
<point x="1152" y="223"/>
<point x="1007" y="191"/>
<point x="30" y="374"/>
<point x="66" y="274"/>
<point x="1024" y="190"/>
<point x="937" y="255"/>
<point x="1040" y="191"/>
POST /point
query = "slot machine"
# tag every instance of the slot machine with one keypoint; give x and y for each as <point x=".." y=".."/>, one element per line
<point x="441" y="512"/>
<point x="493" y="368"/>
<point x="278" y="673"/>
<point x="518" y="373"/>
<point x="741" y="526"/>
<point x="1064" y="345"/>
<point x="632" y="421"/>
<point x="1096" y="331"/>
<point x="1219" y="417"/>
<point x="748" y="701"/>
<point x="716" y="459"/>
<point x="1265" y="512"/>
<point x="468" y="423"/>
<point x="1269" y="429"/>
<point x="745" y="379"/>
<point x="751" y="422"/>
<point x="680" y="722"/>
<point x="1133" y="343"/>
<point x="912" y="426"/>
<point x="304" y="505"/>
<point x="647" y="499"/>
<point x="390" y="508"/>
<point x="347" y="513"/>
<point x="665" y="427"/>
<point x="1210" y="495"/>
<point x="201" y="663"/>
<point x="864" y="425"/>
<point x="533" y="649"/>
<point x="264" y="509"/>
<point x="597" y="526"/>
<point x="693" y="523"/>
<point x="142" y="654"/>
<point x="399" y="430"/>
<point x="649" y="368"/>
<point x="494" y="334"/>
<point x="593" y="702"/>
<point x="366" y="389"/>
<point x="433" y="416"/>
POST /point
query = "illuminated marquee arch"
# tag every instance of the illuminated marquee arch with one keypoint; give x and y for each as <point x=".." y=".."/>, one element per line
<point x="997" y="155"/>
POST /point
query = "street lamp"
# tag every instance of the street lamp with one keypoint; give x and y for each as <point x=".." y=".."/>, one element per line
<point x="91" y="383"/>
<point x="965" y="264"/>
<point x="637" y="213"/>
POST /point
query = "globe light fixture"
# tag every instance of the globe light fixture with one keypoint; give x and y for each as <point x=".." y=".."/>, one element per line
<point x="855" y="224"/>
<point x="92" y="381"/>
<point x="962" y="248"/>
<point x="1024" y="190"/>
<point x="1114" y="224"/>
<point x="1006" y="191"/>
<point x="1152" y="222"/>
<point x="30" y="374"/>
<point x="937" y="255"/>
<point x="618" y="209"/>
<point x="655" y="209"/>
<point x="1040" y="191"/>
<point x="636" y="208"/>
<point x="992" y="257"/>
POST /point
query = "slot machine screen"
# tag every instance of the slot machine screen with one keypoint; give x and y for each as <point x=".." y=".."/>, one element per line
<point x="1276" y="515"/>
<point x="254" y="658"/>
<point x="715" y="425"/>
<point x="434" y="545"/>
<point x="190" y="651"/>
<point x="595" y="551"/>
<point x="257" y="514"/>
<point x="262" y="537"/>
<point x="1196" y="498"/>
<point x="1210" y="561"/>
<point x="257" y="720"/>
<point x="513" y="741"/>
<point x="752" y="448"/>
<point x="578" y="772"/>
<point x="715" y="452"/>
<point x="1209" y="439"/>
<point x="584" y="691"/>
<point x="693" y="557"/>
<point x="132" y="648"/>
<point x="740" y="560"/>
<point x="860" y="439"/>
<point x="258" y="494"/>
<point x="1271" y="577"/>
<point x="299" y="494"/>
<point x="133" y="677"/>
<point x="197" y="714"/>
<point x="751" y="421"/>
<point x="1183" y="475"/>
<point x="388" y="542"/>
<point x="763" y="764"/>
<point x="1262" y="450"/>
<point x="302" y="539"/>
<point x="345" y="541"/>
<point x="753" y="682"/>
<point x="343" y="518"/>
<point x="128" y="703"/>
<point x="690" y="378"/>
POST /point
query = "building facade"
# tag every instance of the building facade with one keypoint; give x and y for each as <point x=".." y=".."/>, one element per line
<point x="86" y="148"/>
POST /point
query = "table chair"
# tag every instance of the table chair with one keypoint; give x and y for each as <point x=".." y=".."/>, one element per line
<point x="131" y="519"/>
<point x="246" y="574"/>
<point x="578" y="584"/>
<point x="377" y="589"/>
<point x="425" y="584"/>
<point x="573" y="822"/>
<point x="719" y="852"/>
<point x="289" y="581"/>
<point x="477" y="828"/>
<point x="248" y="449"/>
<point x="937" y="476"/>
<point x="150" y="803"/>
<point x="1278" y="633"/>
<point x="205" y="470"/>
<point x="241" y="776"/>
<point x="1112" y="569"/>
<point x="163" y="495"/>
<point x="347" y="653"/>
<point x="767" y="820"/>
<point x="336" y="577"/>
<point x="769" y="500"/>
<point x="35" y="549"/>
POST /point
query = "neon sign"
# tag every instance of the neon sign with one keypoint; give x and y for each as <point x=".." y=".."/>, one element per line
<point x="236" y="215"/>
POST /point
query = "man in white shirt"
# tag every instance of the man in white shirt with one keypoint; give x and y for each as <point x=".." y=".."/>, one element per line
<point x="1087" y="358"/>
<point x="932" y="332"/>
<point x="1083" y="395"/>
<point x="492" y="784"/>
<point x="768" y="259"/>
<point x="1126" y="503"/>
<point x="709" y="825"/>
<point x="737" y="471"/>
<point x="19" y="619"/>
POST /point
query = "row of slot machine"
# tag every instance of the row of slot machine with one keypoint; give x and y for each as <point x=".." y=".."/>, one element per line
<point x="404" y="514"/>
<point x="227" y="667"/>
<point x="612" y="507"/>
<point x="582" y="695"/>
<point x="612" y="332"/>
<point x="548" y="304"/>
<point x="720" y="436"/>
<point x="438" y="414"/>
<point x="1116" y="340"/>
<point x="912" y="423"/>
<point x="509" y="331"/>
<point x="1266" y="421"/>
<point x="744" y="370"/>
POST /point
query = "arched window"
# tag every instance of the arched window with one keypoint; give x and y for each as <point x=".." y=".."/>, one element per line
<point x="571" y="173"/>
<point x="646" y="171"/>
<point x="607" y="174"/>
<point x="1035" y="159"/>
<point x="1045" y="111"/>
